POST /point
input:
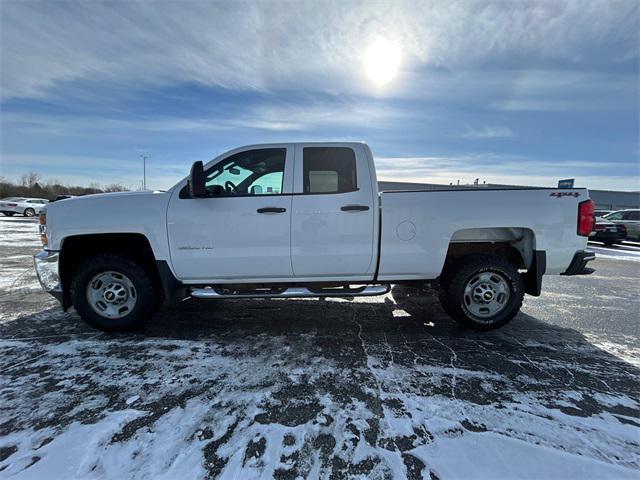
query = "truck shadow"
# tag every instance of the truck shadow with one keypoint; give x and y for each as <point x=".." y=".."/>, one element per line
<point x="405" y="325"/>
<point x="407" y="312"/>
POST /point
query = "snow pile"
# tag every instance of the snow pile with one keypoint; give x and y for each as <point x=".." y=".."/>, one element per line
<point x="268" y="405"/>
<point x="619" y="252"/>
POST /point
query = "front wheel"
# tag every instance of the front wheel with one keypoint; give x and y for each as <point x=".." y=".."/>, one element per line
<point x="113" y="293"/>
<point x="29" y="212"/>
<point x="482" y="292"/>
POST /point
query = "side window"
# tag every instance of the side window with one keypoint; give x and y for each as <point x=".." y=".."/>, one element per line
<point x="633" y="215"/>
<point x="255" y="172"/>
<point x="328" y="170"/>
<point x="614" y="216"/>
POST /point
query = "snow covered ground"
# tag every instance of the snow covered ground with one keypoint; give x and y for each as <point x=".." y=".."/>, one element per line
<point x="628" y="251"/>
<point x="382" y="387"/>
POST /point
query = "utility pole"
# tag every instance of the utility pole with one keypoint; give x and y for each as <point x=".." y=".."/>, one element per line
<point x="144" y="171"/>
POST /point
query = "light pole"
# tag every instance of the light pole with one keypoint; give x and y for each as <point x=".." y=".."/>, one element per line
<point x="144" y="171"/>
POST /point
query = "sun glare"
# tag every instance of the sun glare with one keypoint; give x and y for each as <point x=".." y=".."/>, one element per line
<point x="381" y="61"/>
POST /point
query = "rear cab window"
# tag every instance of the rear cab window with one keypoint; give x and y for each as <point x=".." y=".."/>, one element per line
<point x="328" y="170"/>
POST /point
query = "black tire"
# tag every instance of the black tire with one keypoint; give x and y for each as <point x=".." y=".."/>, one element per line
<point x="146" y="297"/>
<point x="9" y="214"/>
<point x="452" y="292"/>
<point x="29" y="212"/>
<point x="609" y="243"/>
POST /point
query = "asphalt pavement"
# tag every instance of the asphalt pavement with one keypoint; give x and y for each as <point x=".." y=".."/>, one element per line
<point x="384" y="387"/>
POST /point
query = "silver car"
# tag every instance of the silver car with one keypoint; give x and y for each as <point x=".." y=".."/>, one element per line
<point x="29" y="207"/>
<point x="630" y="218"/>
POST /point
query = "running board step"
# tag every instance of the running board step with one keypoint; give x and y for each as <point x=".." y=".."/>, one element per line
<point x="293" y="292"/>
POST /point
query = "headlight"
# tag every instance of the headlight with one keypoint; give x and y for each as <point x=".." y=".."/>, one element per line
<point x="42" y="227"/>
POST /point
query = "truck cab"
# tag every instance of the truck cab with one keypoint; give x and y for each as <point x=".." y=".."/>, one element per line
<point x="278" y="213"/>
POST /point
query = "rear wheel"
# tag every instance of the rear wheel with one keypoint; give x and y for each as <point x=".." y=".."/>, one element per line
<point x="482" y="292"/>
<point x="9" y="214"/>
<point x="113" y="293"/>
<point x="29" y="212"/>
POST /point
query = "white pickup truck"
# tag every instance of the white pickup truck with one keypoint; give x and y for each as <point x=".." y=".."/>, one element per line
<point x="307" y="220"/>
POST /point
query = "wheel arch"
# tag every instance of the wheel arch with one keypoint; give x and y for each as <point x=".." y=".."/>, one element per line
<point x="517" y="245"/>
<point x="77" y="249"/>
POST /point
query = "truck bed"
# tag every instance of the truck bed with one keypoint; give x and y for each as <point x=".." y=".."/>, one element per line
<point x="419" y="225"/>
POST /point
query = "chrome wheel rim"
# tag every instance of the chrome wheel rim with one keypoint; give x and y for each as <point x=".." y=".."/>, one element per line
<point x="111" y="295"/>
<point x="29" y="212"/>
<point x="486" y="294"/>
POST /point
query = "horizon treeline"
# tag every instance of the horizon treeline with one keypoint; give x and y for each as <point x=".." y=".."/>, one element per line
<point x="32" y="185"/>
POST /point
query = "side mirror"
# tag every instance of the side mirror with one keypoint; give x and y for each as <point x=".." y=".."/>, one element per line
<point x="196" y="183"/>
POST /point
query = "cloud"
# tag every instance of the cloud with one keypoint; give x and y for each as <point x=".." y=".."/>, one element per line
<point x="272" y="45"/>
<point x="82" y="170"/>
<point x="487" y="132"/>
<point x="283" y="116"/>
<point x="503" y="169"/>
<point x="492" y="168"/>
<point x="187" y="79"/>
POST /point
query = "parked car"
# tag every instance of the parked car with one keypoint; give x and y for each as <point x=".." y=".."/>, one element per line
<point x="29" y="207"/>
<point x="7" y="203"/>
<point x="607" y="232"/>
<point x="62" y="197"/>
<point x="307" y="220"/>
<point x="630" y="218"/>
<point x="600" y="213"/>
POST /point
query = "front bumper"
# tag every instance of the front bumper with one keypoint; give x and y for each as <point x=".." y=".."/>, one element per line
<point x="46" y="264"/>
<point x="580" y="260"/>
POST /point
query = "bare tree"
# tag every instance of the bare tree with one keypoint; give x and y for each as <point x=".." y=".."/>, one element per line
<point x="115" y="187"/>
<point x="30" y="179"/>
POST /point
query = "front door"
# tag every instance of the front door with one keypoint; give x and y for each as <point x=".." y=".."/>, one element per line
<point x="332" y="223"/>
<point x="631" y="220"/>
<point x="241" y="231"/>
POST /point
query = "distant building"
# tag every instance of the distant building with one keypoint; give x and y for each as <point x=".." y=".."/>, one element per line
<point x="612" y="200"/>
<point x="605" y="199"/>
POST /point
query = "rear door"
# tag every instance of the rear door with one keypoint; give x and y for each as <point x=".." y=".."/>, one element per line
<point x="332" y="222"/>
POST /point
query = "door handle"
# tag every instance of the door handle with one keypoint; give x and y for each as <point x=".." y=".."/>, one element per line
<point x="271" y="210"/>
<point x="354" y="208"/>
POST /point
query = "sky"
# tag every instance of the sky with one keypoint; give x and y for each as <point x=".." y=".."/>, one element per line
<point x="508" y="92"/>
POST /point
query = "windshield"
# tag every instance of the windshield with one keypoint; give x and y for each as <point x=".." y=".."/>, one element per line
<point x="613" y="216"/>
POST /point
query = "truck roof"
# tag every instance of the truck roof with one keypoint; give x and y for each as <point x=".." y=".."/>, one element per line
<point x="333" y="143"/>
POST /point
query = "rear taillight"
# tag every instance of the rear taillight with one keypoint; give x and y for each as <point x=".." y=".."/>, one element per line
<point x="586" y="218"/>
<point x="599" y="228"/>
<point x="12" y="204"/>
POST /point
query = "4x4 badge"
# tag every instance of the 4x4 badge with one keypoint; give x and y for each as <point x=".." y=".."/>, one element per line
<point x="564" y="194"/>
